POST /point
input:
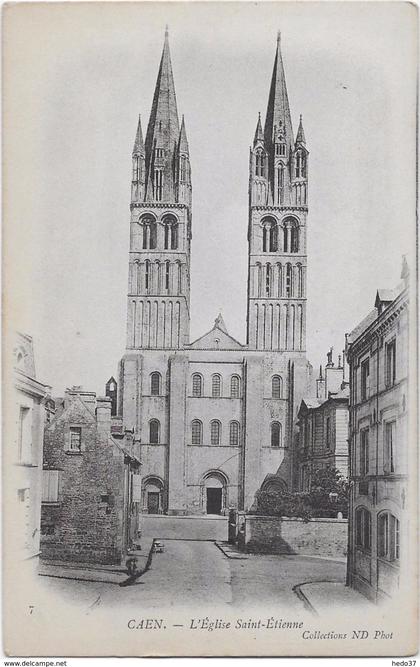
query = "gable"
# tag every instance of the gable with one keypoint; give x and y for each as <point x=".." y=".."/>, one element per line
<point x="216" y="339"/>
<point x="76" y="411"/>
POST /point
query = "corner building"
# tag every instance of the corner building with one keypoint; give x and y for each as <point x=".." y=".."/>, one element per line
<point x="213" y="419"/>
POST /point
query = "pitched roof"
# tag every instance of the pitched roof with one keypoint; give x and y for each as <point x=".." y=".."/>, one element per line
<point x="364" y="324"/>
<point x="217" y="338"/>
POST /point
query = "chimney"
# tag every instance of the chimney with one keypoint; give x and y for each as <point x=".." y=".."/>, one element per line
<point x="103" y="413"/>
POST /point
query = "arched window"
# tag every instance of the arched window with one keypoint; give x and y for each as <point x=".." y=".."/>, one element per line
<point x="197" y="385"/>
<point x="289" y="280"/>
<point x="154" y="428"/>
<point x="170" y="232"/>
<point x="388" y="536"/>
<point x="363" y="529"/>
<point x="294" y="238"/>
<point x="215" y="429"/>
<point x="166" y="275"/>
<point x="298" y="168"/>
<point x="153" y="235"/>
<point x="136" y="169"/>
<point x="276" y="387"/>
<point x="303" y="166"/>
<point x="276" y="435"/>
<point x="235" y="386"/>
<point x="155" y="384"/>
<point x="234" y="434"/>
<point x="179" y="277"/>
<point x="259" y="163"/>
<point x="216" y="385"/>
<point x="158" y="184"/>
<point x="285" y="239"/>
<point x="149" y="231"/>
<point x="270" y="235"/>
<point x="280" y="183"/>
<point x="147" y="273"/>
<point x="196" y="432"/>
<point x="268" y="279"/>
<point x="300" y="281"/>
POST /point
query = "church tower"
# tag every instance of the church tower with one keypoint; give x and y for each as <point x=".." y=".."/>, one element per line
<point x="158" y="309"/>
<point x="278" y="206"/>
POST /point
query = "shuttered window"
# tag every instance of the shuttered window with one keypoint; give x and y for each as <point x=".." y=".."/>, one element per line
<point x="50" y="486"/>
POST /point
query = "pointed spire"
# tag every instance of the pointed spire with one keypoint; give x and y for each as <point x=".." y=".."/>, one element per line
<point x="320" y="372"/>
<point x="183" y="141"/>
<point x="163" y="123"/>
<point x="300" y="137"/>
<point x="219" y="323"/>
<point x="278" y="111"/>
<point x="138" y="148"/>
<point x="259" y="135"/>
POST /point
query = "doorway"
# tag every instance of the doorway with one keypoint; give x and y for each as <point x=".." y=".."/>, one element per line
<point x="153" y="502"/>
<point x="214" y="501"/>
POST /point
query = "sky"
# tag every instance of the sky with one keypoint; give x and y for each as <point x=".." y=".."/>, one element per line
<point x="76" y="78"/>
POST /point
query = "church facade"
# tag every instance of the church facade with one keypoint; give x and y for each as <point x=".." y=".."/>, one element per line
<point x="214" y="419"/>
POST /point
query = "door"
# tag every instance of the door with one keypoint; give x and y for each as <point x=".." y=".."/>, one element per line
<point x="153" y="502"/>
<point x="214" y="501"/>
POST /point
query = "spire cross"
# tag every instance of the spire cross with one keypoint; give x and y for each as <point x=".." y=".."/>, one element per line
<point x="166" y="30"/>
<point x="278" y="37"/>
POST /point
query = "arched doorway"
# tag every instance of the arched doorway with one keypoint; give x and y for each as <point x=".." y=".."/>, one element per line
<point x="274" y="484"/>
<point x="153" y="502"/>
<point x="214" y="492"/>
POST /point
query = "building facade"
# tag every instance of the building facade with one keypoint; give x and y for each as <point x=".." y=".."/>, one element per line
<point x="323" y="426"/>
<point x="91" y="483"/>
<point x="30" y="404"/>
<point x="377" y="353"/>
<point x="214" y="418"/>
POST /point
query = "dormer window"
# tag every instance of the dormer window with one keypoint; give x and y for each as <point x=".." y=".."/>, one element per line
<point x="281" y="149"/>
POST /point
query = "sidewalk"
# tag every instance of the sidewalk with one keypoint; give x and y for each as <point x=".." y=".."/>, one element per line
<point x="320" y="596"/>
<point x="92" y="572"/>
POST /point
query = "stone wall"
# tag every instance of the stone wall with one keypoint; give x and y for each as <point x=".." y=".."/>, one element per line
<point x="184" y="527"/>
<point x="86" y="521"/>
<point x="317" y="537"/>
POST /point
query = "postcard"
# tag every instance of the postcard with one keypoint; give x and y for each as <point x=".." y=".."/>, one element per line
<point x="210" y="415"/>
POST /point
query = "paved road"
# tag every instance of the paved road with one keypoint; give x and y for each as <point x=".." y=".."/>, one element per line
<point x="191" y="572"/>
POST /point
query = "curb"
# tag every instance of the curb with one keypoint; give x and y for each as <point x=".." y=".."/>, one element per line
<point x="302" y="597"/>
<point x="233" y="555"/>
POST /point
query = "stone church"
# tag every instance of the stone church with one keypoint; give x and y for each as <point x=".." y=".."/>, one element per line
<point x="214" y="419"/>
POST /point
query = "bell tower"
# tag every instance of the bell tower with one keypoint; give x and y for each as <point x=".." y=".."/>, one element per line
<point x="158" y="309"/>
<point x="278" y="207"/>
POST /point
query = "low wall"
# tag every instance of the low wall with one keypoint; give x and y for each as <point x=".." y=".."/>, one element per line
<point x="161" y="526"/>
<point x="317" y="537"/>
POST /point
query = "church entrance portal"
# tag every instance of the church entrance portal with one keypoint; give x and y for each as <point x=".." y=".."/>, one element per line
<point x="214" y="501"/>
<point x="153" y="502"/>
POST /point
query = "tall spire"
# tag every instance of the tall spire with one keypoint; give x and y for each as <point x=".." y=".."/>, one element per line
<point x="183" y="141"/>
<point x="138" y="148"/>
<point x="259" y="135"/>
<point x="278" y="112"/>
<point x="300" y="137"/>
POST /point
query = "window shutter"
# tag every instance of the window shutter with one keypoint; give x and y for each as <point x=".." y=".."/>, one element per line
<point x="136" y="489"/>
<point x="50" y="481"/>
